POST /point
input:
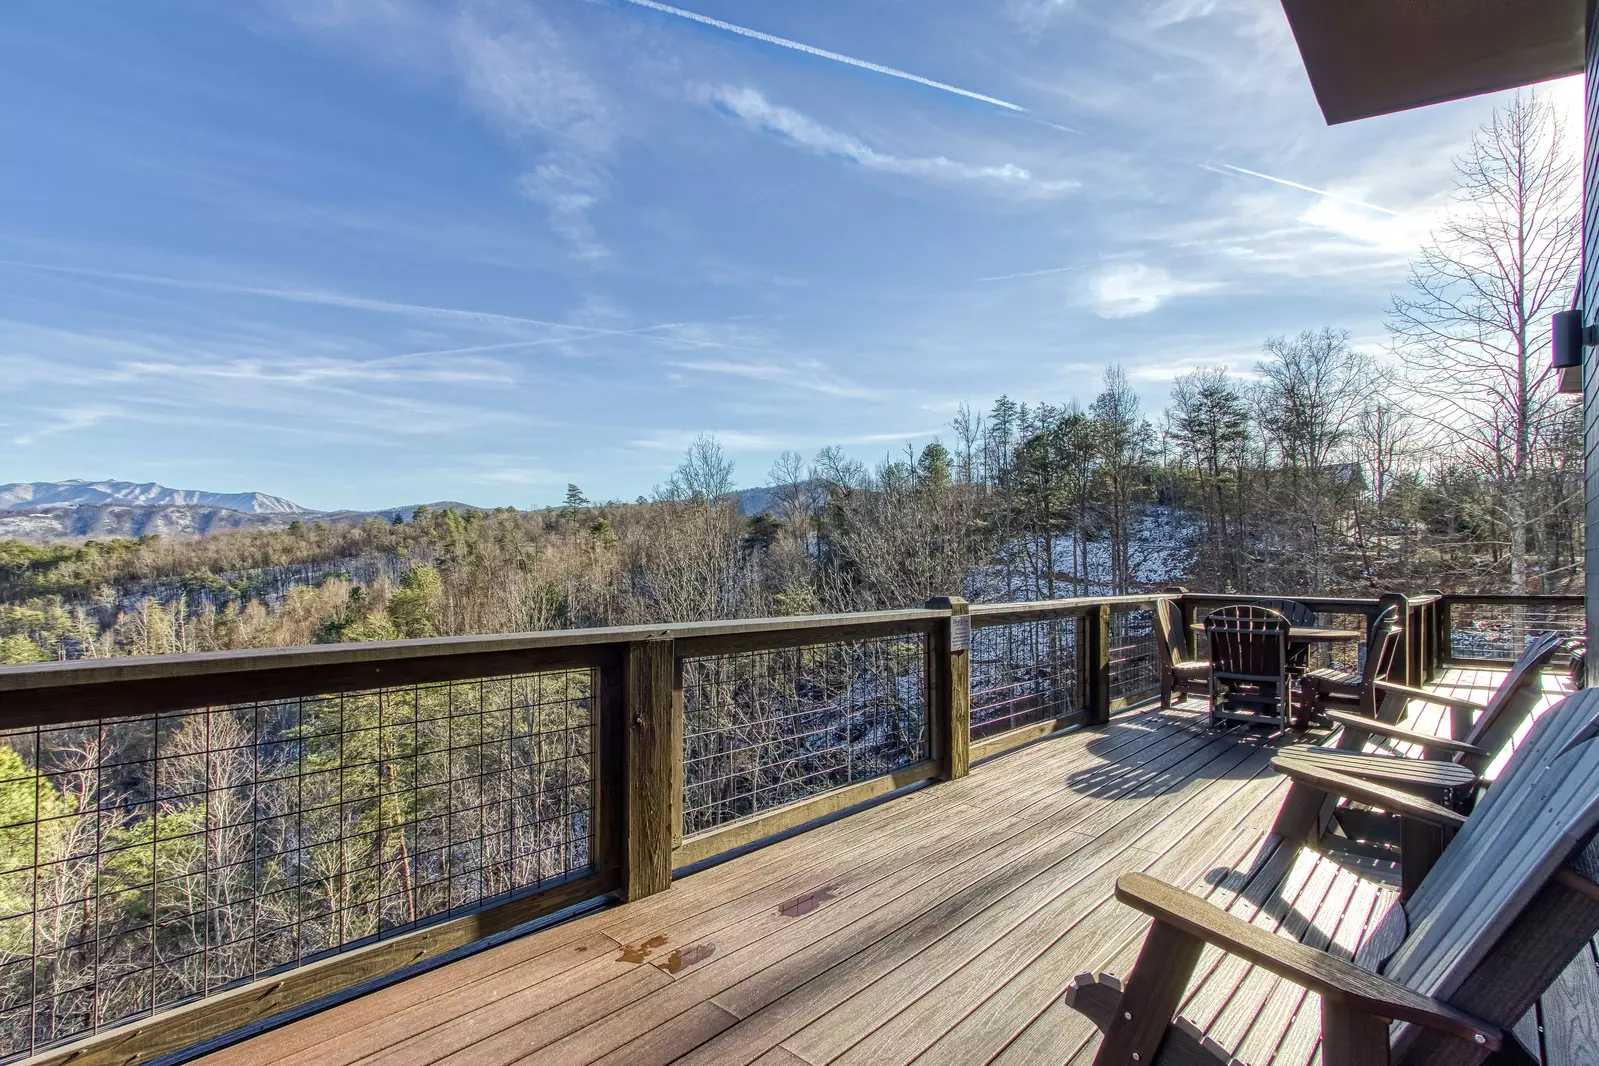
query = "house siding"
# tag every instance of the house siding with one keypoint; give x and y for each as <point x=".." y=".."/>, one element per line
<point x="1590" y="304"/>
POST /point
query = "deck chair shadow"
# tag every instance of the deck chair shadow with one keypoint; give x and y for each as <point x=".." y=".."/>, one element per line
<point x="1449" y="772"/>
<point x="1249" y="679"/>
<point x="1181" y="675"/>
<point x="1507" y="906"/>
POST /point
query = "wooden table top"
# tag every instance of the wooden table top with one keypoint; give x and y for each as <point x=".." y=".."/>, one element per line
<point x="1319" y="633"/>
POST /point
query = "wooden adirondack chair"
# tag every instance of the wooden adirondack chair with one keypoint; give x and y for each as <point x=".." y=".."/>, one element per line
<point x="1510" y="902"/>
<point x="1449" y="771"/>
<point x="1323" y="691"/>
<point x="1180" y="676"/>
<point x="1248" y="665"/>
<point x="1298" y="615"/>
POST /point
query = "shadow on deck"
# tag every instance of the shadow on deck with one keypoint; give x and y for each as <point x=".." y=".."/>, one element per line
<point x="940" y="927"/>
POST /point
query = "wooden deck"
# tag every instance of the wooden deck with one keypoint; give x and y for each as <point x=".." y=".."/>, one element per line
<point x="941" y="927"/>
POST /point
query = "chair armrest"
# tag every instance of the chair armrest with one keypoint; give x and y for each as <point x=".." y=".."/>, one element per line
<point x="1429" y="697"/>
<point x="1409" y="736"/>
<point x="1389" y="799"/>
<point x="1327" y="975"/>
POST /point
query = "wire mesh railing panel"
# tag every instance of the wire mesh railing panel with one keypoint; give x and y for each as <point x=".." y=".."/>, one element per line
<point x="1500" y="632"/>
<point x="149" y="861"/>
<point x="1134" y="659"/>
<point x="766" y="728"/>
<point x="1022" y="673"/>
<point x="1341" y="654"/>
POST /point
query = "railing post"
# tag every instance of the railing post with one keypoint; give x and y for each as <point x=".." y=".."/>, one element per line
<point x="1412" y="644"/>
<point x="950" y="686"/>
<point x="653" y="766"/>
<point x="1446" y="632"/>
<point x="1094" y="640"/>
<point x="1186" y="606"/>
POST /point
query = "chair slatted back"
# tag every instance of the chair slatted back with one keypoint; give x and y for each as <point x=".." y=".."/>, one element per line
<point x="1296" y="613"/>
<point x="1540" y="812"/>
<point x="1381" y="646"/>
<point x="1247" y="642"/>
<point x="1512" y="702"/>
<point x="1169" y="631"/>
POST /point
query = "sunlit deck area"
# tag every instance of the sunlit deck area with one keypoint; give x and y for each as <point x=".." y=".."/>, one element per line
<point x="940" y="926"/>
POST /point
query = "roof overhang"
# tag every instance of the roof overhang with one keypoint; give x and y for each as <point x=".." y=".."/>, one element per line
<point x="1372" y="57"/>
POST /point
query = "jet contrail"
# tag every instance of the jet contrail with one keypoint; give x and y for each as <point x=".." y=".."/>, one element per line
<point x="823" y="53"/>
<point x="1036" y="273"/>
<point x="1305" y="188"/>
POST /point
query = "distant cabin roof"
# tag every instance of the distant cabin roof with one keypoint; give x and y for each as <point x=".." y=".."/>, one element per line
<point x="1372" y="57"/>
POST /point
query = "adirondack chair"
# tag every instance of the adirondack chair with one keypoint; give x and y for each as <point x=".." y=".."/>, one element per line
<point x="1180" y="676"/>
<point x="1511" y="901"/>
<point x="1298" y="615"/>
<point x="1453" y="764"/>
<point x="1325" y="690"/>
<point x="1248" y="665"/>
<point x="1449" y="771"/>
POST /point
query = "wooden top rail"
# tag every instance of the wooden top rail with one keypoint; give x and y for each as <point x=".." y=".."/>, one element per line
<point x="1321" y="604"/>
<point x="1506" y="600"/>
<point x="999" y="614"/>
<point x="116" y="688"/>
<point x="112" y="688"/>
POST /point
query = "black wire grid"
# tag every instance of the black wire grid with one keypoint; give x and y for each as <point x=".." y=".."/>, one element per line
<point x="1134" y="665"/>
<point x="765" y="728"/>
<point x="1501" y="631"/>
<point x="1022" y="673"/>
<point x="149" y="861"/>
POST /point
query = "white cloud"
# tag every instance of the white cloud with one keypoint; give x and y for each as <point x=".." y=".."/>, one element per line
<point x="801" y="131"/>
<point x="1132" y="289"/>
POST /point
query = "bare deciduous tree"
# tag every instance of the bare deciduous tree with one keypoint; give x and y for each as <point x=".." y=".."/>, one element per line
<point x="1474" y="327"/>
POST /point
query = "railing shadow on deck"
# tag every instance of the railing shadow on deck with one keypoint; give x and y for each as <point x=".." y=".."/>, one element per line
<point x="217" y="839"/>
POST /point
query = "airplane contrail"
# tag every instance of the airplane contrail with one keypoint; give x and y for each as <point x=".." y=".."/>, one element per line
<point x="783" y="42"/>
<point x="1305" y="188"/>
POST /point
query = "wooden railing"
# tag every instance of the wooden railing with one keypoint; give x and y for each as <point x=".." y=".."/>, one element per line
<point x="219" y="838"/>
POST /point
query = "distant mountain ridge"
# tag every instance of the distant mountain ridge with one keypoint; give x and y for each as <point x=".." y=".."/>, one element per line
<point x="29" y="495"/>
<point x="42" y="511"/>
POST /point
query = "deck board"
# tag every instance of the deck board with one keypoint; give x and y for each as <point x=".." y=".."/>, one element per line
<point x="948" y="923"/>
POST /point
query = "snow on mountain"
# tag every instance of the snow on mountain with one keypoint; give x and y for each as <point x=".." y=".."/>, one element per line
<point x="28" y="495"/>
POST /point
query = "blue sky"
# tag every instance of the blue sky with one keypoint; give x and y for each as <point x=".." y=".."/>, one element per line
<point x="368" y="252"/>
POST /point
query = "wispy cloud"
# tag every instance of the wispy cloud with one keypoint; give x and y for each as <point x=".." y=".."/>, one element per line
<point x="678" y="334"/>
<point x="65" y="420"/>
<point x="517" y="71"/>
<point x="823" y="53"/>
<point x="750" y="106"/>
<point x="1137" y="288"/>
<point x="809" y="375"/>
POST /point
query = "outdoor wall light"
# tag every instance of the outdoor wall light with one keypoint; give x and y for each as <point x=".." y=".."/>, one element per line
<point x="1570" y="337"/>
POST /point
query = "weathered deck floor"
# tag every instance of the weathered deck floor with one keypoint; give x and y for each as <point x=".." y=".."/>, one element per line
<point x="941" y="927"/>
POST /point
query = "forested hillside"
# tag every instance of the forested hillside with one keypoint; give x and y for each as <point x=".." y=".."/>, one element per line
<point x="1310" y="477"/>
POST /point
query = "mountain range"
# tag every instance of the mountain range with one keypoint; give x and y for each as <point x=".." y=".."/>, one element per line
<point x="79" y="510"/>
<point x="28" y="495"/>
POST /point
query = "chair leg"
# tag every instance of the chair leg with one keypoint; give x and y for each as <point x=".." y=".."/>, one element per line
<point x="1303" y="816"/>
<point x="1350" y="1038"/>
<point x="1420" y="847"/>
<point x="1154" y="992"/>
<point x="1165" y="689"/>
<point x="1098" y="997"/>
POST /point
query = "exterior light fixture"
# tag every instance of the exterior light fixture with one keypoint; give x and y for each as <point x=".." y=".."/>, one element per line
<point x="1569" y="338"/>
